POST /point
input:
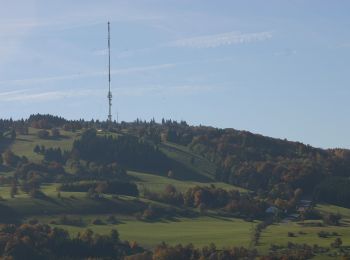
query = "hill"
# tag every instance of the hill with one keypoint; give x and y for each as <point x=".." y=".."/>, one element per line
<point x="176" y="183"/>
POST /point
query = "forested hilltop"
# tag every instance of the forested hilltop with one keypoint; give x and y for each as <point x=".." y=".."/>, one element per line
<point x="272" y="167"/>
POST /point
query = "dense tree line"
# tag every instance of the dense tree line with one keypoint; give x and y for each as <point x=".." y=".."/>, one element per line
<point x="334" y="190"/>
<point x="47" y="172"/>
<point x="38" y="241"/>
<point x="52" y="154"/>
<point x="45" y="121"/>
<point x="259" y="162"/>
<point x="211" y="252"/>
<point x="126" y="150"/>
<point x="94" y="171"/>
<point x="164" y="251"/>
<point x="10" y="159"/>
<point x="108" y="187"/>
<point x="30" y="176"/>
<point x="210" y="197"/>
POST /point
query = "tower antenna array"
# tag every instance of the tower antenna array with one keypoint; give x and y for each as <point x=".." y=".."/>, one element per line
<point x="109" y="76"/>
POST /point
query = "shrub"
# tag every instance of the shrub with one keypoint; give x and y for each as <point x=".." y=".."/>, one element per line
<point x="37" y="194"/>
<point x="112" y="219"/>
<point x="332" y="219"/>
<point x="107" y="187"/>
<point x="43" y="134"/>
<point x="323" y="234"/>
<point x="291" y="234"/>
<point x="33" y="221"/>
<point x="55" y="132"/>
<point x="65" y="220"/>
<point x="337" y="243"/>
<point x="97" y="221"/>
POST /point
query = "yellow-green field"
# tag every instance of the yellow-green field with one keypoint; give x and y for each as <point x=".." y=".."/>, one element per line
<point x="24" y="144"/>
<point x="278" y="234"/>
<point x="307" y="233"/>
<point x="157" y="183"/>
<point x="224" y="232"/>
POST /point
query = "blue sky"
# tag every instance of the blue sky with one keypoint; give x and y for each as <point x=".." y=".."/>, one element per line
<point x="279" y="68"/>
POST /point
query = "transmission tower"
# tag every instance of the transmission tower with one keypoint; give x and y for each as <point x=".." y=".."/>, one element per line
<point x="109" y="96"/>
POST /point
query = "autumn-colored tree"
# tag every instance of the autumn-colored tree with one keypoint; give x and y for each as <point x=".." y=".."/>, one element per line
<point x="170" y="189"/>
<point x="332" y="219"/>
<point x="337" y="243"/>
<point x="101" y="187"/>
<point x="10" y="159"/>
<point x="282" y="204"/>
<point x="55" y="132"/>
<point x="43" y="134"/>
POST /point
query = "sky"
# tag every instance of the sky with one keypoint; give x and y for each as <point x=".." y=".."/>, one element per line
<point x="276" y="67"/>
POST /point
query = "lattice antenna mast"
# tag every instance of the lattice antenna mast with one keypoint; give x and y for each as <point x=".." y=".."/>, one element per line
<point x="109" y="77"/>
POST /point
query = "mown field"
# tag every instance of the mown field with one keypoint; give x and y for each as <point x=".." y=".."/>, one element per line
<point x="306" y="232"/>
<point x="201" y="231"/>
<point x="24" y="144"/>
<point x="157" y="183"/>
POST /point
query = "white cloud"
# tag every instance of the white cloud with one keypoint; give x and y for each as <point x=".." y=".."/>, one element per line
<point x="27" y="95"/>
<point x="131" y="70"/>
<point x="217" y="40"/>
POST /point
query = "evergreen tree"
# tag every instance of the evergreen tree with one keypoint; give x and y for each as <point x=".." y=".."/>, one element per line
<point x="37" y="149"/>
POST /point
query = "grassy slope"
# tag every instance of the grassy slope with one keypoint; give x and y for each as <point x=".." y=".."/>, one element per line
<point x="278" y="233"/>
<point x="156" y="183"/>
<point x="199" y="231"/>
<point x="25" y="144"/>
<point x="344" y="212"/>
<point x="183" y="155"/>
<point x="77" y="204"/>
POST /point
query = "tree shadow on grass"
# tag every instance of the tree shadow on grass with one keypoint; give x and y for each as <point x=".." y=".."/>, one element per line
<point x="5" y="144"/>
<point x="24" y="140"/>
<point x="8" y="215"/>
<point x="6" y="169"/>
<point x="50" y="200"/>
